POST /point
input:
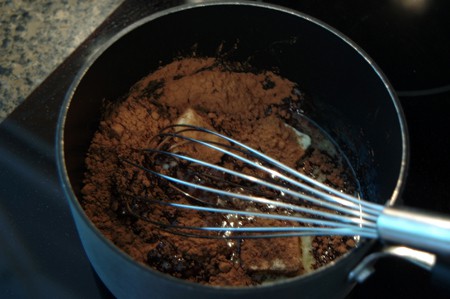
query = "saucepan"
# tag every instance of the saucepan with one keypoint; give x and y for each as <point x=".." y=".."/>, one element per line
<point x="350" y="97"/>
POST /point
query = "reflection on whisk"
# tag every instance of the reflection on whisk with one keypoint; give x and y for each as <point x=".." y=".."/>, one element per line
<point x="252" y="186"/>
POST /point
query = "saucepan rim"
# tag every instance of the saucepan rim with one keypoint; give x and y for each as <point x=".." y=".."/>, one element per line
<point x="104" y="45"/>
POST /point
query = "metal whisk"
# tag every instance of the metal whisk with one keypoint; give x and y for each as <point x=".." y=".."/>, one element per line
<point x="248" y="184"/>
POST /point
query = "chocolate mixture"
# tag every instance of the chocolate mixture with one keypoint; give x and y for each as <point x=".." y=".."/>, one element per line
<point x="253" y="108"/>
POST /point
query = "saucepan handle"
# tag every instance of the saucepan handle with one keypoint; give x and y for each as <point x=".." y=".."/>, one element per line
<point x="425" y="239"/>
<point x="440" y="273"/>
<point x="438" y="265"/>
<point x="415" y="228"/>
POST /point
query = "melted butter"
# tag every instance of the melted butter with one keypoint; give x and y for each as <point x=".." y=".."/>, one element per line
<point x="303" y="139"/>
<point x="306" y="254"/>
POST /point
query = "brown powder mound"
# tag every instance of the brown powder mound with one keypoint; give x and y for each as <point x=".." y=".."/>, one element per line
<point x="198" y="84"/>
<point x="249" y="107"/>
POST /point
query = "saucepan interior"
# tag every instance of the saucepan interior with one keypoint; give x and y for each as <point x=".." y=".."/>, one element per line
<point x="349" y="96"/>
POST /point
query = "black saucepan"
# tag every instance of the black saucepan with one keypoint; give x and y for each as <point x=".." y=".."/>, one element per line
<point x="350" y="97"/>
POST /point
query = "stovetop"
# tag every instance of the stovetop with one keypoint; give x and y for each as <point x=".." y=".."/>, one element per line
<point x="40" y="253"/>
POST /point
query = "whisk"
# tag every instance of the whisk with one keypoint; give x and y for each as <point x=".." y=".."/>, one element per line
<point x="252" y="185"/>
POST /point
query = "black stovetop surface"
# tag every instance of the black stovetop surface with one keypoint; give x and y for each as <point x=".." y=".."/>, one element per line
<point x="40" y="253"/>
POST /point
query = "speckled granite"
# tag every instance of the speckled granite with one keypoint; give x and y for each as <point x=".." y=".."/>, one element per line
<point x="36" y="36"/>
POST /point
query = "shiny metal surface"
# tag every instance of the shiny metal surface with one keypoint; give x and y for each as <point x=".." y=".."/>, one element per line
<point x="418" y="229"/>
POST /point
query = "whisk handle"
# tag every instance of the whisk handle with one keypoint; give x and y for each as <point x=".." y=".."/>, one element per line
<point x="415" y="228"/>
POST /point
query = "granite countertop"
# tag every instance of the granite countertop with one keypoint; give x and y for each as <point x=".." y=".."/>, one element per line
<point x="36" y="36"/>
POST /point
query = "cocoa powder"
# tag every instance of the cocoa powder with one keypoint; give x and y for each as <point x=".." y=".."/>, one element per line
<point x="250" y="107"/>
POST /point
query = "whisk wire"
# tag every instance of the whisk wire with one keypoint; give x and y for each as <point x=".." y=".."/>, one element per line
<point x="338" y="202"/>
<point x="256" y="232"/>
<point x="359" y="219"/>
<point x="250" y="151"/>
<point x="335" y="212"/>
